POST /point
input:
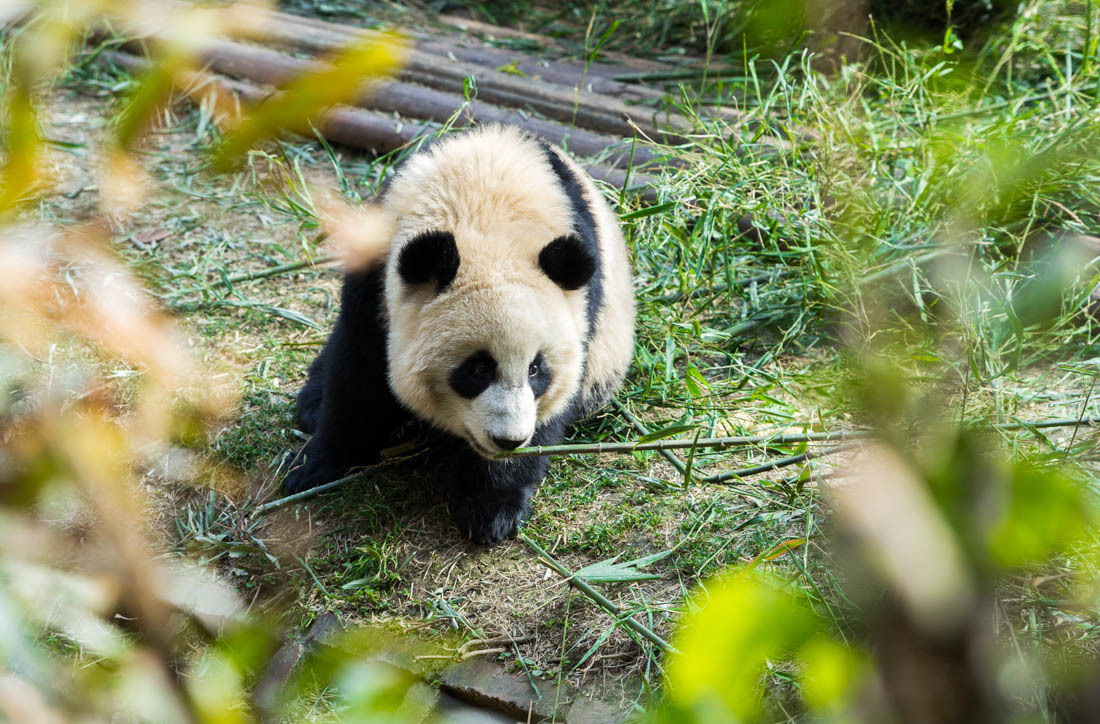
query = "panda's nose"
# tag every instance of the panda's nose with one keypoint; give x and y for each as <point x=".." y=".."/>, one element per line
<point x="505" y="444"/>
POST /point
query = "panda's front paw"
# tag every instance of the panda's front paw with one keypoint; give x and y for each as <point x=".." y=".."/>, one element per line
<point x="298" y="479"/>
<point x="309" y="471"/>
<point x="490" y="521"/>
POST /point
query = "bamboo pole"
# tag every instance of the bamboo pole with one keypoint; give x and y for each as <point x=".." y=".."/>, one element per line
<point x="270" y="271"/>
<point x="736" y="475"/>
<point x="671" y="444"/>
<point x="604" y="448"/>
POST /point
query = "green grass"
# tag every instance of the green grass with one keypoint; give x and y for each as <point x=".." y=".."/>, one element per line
<point x="895" y="284"/>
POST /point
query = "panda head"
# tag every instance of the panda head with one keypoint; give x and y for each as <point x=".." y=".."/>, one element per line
<point x="487" y="342"/>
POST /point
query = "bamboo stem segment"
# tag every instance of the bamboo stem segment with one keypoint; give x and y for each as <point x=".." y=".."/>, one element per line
<point x="603" y="448"/>
<point x="682" y="443"/>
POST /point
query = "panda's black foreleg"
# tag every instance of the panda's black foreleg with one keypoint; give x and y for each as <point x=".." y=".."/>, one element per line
<point x="490" y="499"/>
<point x="309" y="399"/>
<point x="346" y="402"/>
<point x="356" y="416"/>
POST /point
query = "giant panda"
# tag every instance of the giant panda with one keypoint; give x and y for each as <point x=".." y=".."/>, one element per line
<point x="501" y="312"/>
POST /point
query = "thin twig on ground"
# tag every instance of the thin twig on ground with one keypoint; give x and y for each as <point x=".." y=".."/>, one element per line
<point x="250" y="276"/>
<point x="307" y="494"/>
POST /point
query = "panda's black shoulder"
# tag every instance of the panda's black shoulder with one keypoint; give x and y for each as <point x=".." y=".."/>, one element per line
<point x="584" y="226"/>
<point x="584" y="221"/>
<point x="359" y="336"/>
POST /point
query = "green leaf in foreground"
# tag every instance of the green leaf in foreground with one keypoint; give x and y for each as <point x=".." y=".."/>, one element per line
<point x="666" y="432"/>
<point x="609" y="571"/>
<point x="22" y="146"/>
<point x="311" y="93"/>
<point x="737" y="629"/>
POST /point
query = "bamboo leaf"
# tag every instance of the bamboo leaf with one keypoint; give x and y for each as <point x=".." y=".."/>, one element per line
<point x="23" y="148"/>
<point x="314" y="92"/>
<point x="666" y="432"/>
<point x="649" y="211"/>
<point x="609" y="571"/>
<point x="292" y="316"/>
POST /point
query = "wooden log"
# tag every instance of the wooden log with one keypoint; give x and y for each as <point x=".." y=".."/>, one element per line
<point x="273" y="68"/>
<point x="553" y="100"/>
<point x="603" y="115"/>
<point x="596" y="68"/>
<point x="453" y="62"/>
<point x="434" y="58"/>
<point x="359" y="128"/>
<point x="565" y="73"/>
<point x="466" y="26"/>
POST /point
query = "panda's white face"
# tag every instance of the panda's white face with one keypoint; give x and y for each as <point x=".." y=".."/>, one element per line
<point x="486" y="364"/>
<point x="485" y="286"/>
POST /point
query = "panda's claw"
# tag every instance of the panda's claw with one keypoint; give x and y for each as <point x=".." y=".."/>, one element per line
<point x="296" y="480"/>
<point x="488" y="523"/>
<point x="309" y="471"/>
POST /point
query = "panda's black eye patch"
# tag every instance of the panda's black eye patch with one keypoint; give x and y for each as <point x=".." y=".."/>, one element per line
<point x="538" y="375"/>
<point x="474" y="375"/>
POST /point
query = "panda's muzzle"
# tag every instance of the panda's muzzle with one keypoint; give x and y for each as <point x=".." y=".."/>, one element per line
<point x="507" y="416"/>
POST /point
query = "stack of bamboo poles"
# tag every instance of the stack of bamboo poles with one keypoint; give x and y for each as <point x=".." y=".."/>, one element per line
<point x="575" y="105"/>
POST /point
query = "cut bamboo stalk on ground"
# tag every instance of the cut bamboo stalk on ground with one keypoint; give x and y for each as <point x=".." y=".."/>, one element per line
<point x="642" y="430"/>
<point x="680" y="444"/>
<point x="318" y="261"/>
<point x="605" y="448"/>
<point x="734" y="476"/>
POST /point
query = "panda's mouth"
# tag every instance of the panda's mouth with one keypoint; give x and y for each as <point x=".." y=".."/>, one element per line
<point x="480" y="449"/>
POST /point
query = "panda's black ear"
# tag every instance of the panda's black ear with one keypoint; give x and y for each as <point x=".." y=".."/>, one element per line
<point x="429" y="255"/>
<point x="568" y="262"/>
